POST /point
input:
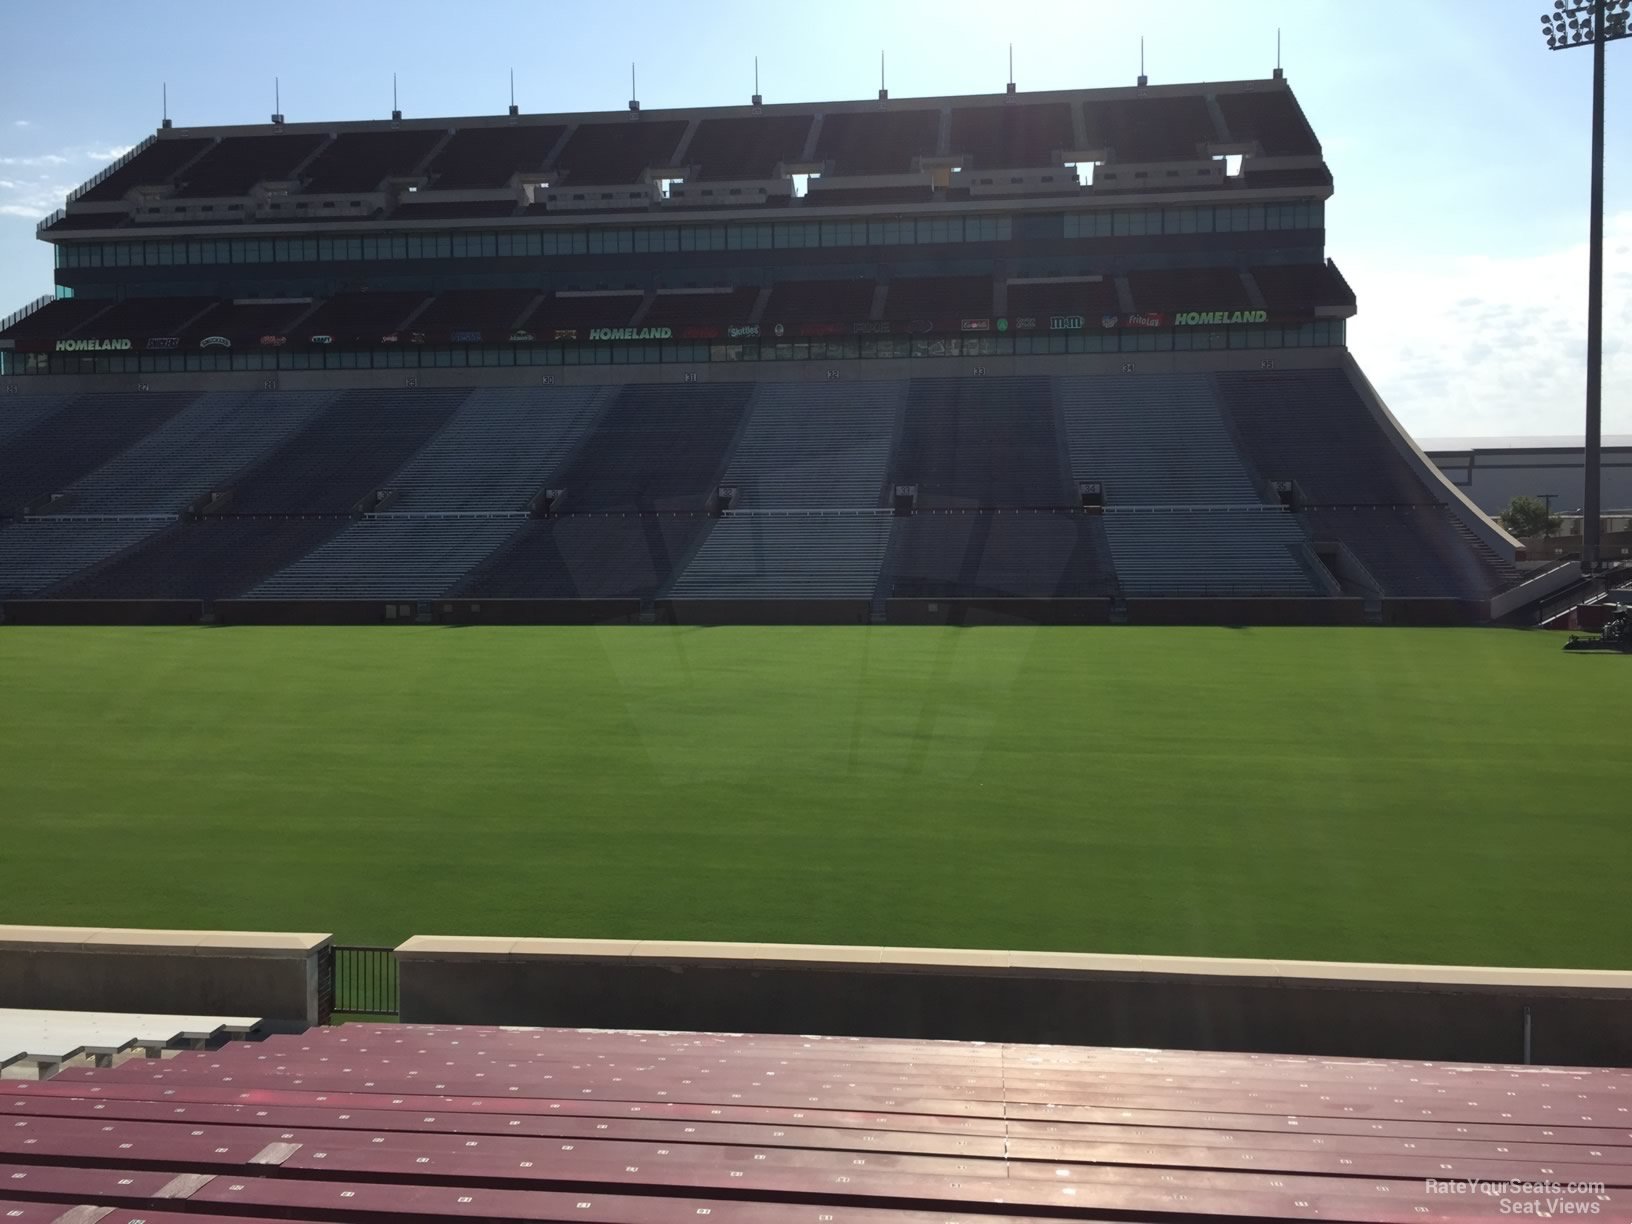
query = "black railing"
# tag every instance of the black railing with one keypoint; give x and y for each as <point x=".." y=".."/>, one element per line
<point x="365" y="981"/>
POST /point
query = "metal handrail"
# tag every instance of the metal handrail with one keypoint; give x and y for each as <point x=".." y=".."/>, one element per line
<point x="110" y="168"/>
<point x="17" y="316"/>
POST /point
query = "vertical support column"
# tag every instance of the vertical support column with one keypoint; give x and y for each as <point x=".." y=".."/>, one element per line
<point x="1595" y="300"/>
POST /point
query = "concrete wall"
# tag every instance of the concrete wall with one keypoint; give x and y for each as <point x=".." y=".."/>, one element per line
<point x="1268" y="610"/>
<point x="101" y="611"/>
<point x="995" y="611"/>
<point x="1303" y="1007"/>
<point x="763" y="611"/>
<point x="237" y="973"/>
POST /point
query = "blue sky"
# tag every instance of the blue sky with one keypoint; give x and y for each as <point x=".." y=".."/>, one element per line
<point x="1458" y="141"/>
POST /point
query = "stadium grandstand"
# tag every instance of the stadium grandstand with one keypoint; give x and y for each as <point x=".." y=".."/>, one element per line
<point x="1069" y="358"/>
<point x="1076" y="354"/>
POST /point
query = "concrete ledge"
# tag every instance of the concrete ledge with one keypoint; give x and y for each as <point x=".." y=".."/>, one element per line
<point x="1286" y="1006"/>
<point x="276" y="975"/>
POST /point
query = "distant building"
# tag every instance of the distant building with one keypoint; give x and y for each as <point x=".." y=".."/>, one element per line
<point x="1493" y="471"/>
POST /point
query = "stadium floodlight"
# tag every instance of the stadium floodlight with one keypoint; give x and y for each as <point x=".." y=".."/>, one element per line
<point x="1598" y="23"/>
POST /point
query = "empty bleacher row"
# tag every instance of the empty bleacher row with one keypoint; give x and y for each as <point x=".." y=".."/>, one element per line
<point x="1211" y="553"/>
<point x="398" y="558"/>
<point x="1158" y="440"/>
<point x="496" y="452"/>
<point x="37" y="555"/>
<point x="192" y="453"/>
<point x="69" y="440"/>
<point x="722" y="491"/>
<point x="612" y="1125"/>
<point x="810" y="555"/>
<point x="345" y="454"/>
<point x="1014" y="554"/>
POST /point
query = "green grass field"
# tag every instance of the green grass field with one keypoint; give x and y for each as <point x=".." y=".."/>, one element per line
<point x="1439" y="795"/>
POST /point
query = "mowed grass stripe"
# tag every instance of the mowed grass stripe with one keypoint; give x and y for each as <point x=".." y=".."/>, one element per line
<point x="1439" y="795"/>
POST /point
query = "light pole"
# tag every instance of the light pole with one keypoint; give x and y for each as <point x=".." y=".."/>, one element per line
<point x="1597" y="23"/>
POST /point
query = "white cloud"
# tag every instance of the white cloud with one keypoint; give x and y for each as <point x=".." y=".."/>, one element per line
<point x="39" y="159"/>
<point x="1493" y="344"/>
<point x="32" y="196"/>
<point x="21" y="123"/>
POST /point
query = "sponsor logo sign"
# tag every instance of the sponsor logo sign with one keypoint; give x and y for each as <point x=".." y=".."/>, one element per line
<point x="1214" y="318"/>
<point x="743" y="332"/>
<point x="631" y="333"/>
<point x="93" y="346"/>
<point x="699" y="331"/>
<point x="777" y="330"/>
<point x="820" y="329"/>
<point x="870" y="328"/>
<point x="162" y="342"/>
<point x="920" y="327"/>
<point x="1025" y="323"/>
<point x="322" y="339"/>
<point x="521" y="336"/>
<point x="389" y="338"/>
<point x="1148" y="318"/>
<point x="215" y="342"/>
<point x="466" y="337"/>
<point x="416" y="337"/>
<point x="1065" y="323"/>
<point x="274" y="341"/>
<point x="566" y="333"/>
<point x="975" y="325"/>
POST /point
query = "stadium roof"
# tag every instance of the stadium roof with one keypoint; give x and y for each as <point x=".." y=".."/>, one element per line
<point x="1172" y="138"/>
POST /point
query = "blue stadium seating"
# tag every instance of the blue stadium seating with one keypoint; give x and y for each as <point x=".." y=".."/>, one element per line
<point x="1153" y="440"/>
<point x="1182" y="459"/>
<point x="589" y="556"/>
<point x="391" y="558"/>
<point x="215" y="558"/>
<point x="1012" y="554"/>
<point x="656" y="448"/>
<point x="38" y="554"/>
<point x="193" y="452"/>
<point x="795" y="555"/>
<point x="347" y="452"/>
<point x="20" y="412"/>
<point x="1211" y="552"/>
<point x="1312" y="427"/>
<point x="982" y="443"/>
<point x="77" y="438"/>
<point x="497" y="451"/>
<point x="816" y="446"/>
<point x="1413" y="550"/>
